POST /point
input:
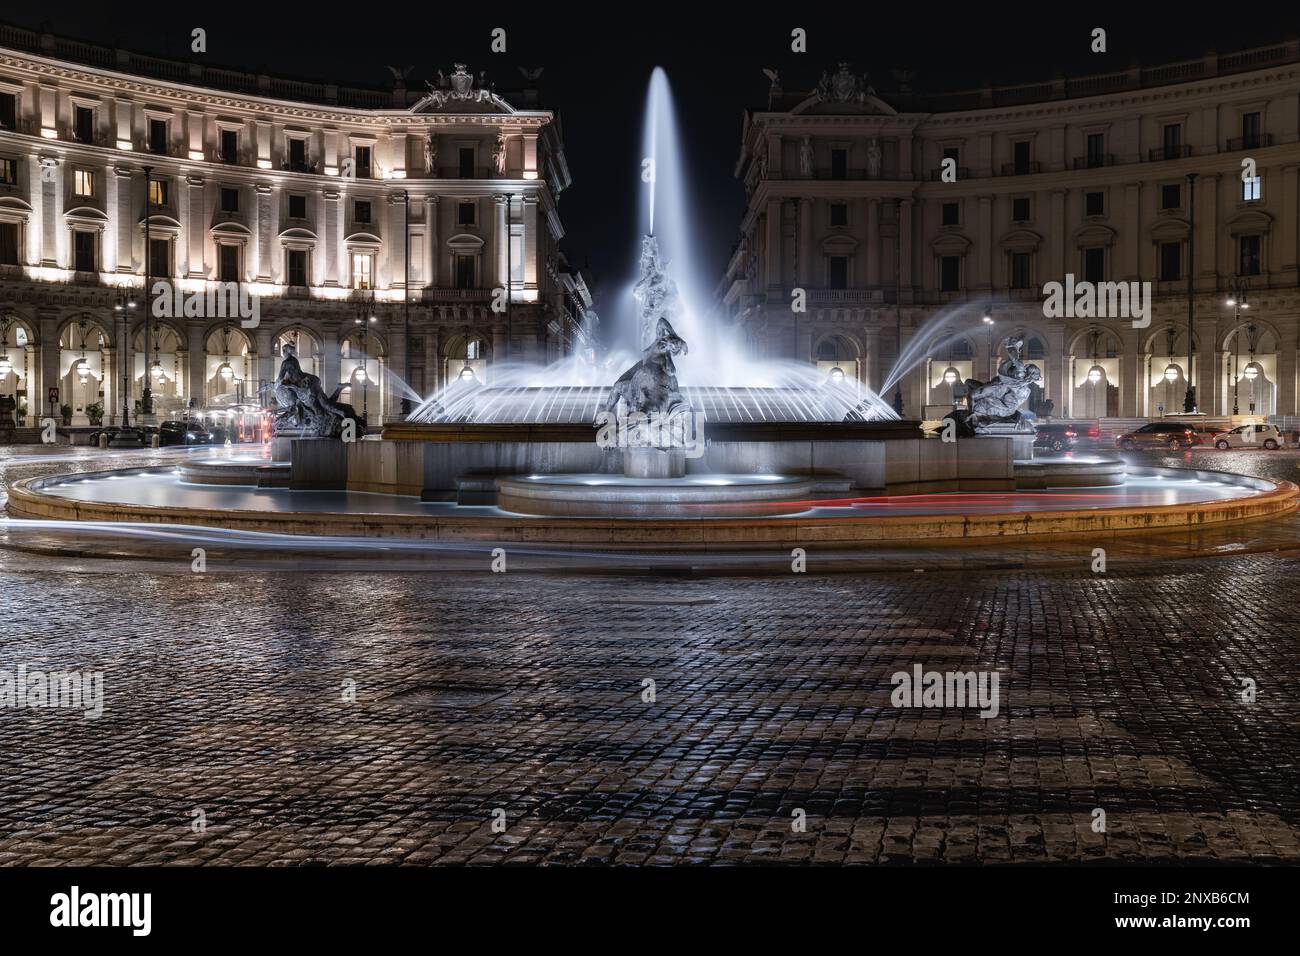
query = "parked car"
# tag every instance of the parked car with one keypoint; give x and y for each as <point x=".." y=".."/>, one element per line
<point x="1171" y="435"/>
<point x="116" y="433"/>
<point x="1057" y="437"/>
<point x="192" y="432"/>
<point x="1251" y="436"/>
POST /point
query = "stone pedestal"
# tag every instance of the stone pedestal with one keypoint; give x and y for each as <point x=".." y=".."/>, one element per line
<point x="1022" y="442"/>
<point x="654" y="462"/>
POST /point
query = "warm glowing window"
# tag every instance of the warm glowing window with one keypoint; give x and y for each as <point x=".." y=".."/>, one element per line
<point x="83" y="182"/>
<point x="361" y="270"/>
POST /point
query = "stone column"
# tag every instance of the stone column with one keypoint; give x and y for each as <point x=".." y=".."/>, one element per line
<point x="330" y="271"/>
<point x="1059" y="266"/>
<point x="49" y="187"/>
<point x="873" y="243"/>
<point x="196" y="386"/>
<point x="871" y="360"/>
<point x="905" y="256"/>
<point x="430" y="273"/>
<point x="433" y="377"/>
<point x="772" y="240"/>
<point x="196" y="238"/>
<point x="265" y="365"/>
<point x="805" y="242"/>
<point x="984" y="258"/>
<point x="530" y="242"/>
<point x="1130" y="239"/>
<point x="1286" y="379"/>
<point x="330" y="358"/>
<point x="267" y="210"/>
<point x="1284" y="250"/>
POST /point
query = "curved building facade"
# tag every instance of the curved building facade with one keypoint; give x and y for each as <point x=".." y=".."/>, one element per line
<point x="377" y="230"/>
<point x="907" y="220"/>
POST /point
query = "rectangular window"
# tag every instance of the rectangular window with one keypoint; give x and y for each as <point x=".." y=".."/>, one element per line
<point x="83" y="124"/>
<point x="465" y="214"/>
<point x="1020" y="270"/>
<point x="953" y="153"/>
<point x="950" y="273"/>
<point x="8" y="243"/>
<point x="83" y="183"/>
<point x="1171" y="196"/>
<point x="227" y="263"/>
<point x="297" y="206"/>
<point x="464" y="272"/>
<point x="297" y="259"/>
<point x="83" y="251"/>
<point x="362" y="158"/>
<point x="9" y="110"/>
<point x="952" y="214"/>
<point x="1171" y="261"/>
<point x="839" y="164"/>
<point x="1250" y="131"/>
<point x="839" y="214"/>
<point x="229" y="199"/>
<point x="1250" y="249"/>
<point x="158" y="136"/>
<point x="1252" y="188"/>
<point x="1020" y="209"/>
<point x="1096" y="150"/>
<point x="158" y="192"/>
<point x="1173" y="138"/>
<point x="361" y="263"/>
<point x="361" y="212"/>
<point x="1094" y="264"/>
<point x="1094" y="204"/>
<point x="838" y="274"/>
<point x="160" y="257"/>
<point x="298" y="155"/>
<point x="8" y="172"/>
<point x="229" y="146"/>
<point x="1020" y="157"/>
<point x="467" y="162"/>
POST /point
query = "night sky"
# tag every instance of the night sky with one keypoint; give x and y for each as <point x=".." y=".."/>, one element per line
<point x="596" y="70"/>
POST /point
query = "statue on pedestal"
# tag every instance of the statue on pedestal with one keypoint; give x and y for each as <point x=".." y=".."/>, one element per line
<point x="302" y="407"/>
<point x="995" y="404"/>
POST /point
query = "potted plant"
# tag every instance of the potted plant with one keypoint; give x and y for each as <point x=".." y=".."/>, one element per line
<point x="66" y="412"/>
<point x="95" y="412"/>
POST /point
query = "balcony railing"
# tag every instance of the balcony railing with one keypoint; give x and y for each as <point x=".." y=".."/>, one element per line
<point x="1258" y="141"/>
<point x="1094" y="162"/>
<point x="1161" y="153"/>
<point x="936" y="175"/>
<point x="1020" y="169"/>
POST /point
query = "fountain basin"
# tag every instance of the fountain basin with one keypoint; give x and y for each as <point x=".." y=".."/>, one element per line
<point x="256" y="472"/>
<point x="695" y="496"/>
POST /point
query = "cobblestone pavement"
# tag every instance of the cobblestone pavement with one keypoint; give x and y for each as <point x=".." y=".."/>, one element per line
<point x="225" y="693"/>
<point x="231" y="693"/>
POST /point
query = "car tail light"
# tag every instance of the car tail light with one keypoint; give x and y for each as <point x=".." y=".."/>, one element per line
<point x="1071" y="434"/>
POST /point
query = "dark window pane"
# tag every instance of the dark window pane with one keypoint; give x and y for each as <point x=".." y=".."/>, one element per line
<point x="1094" y="264"/>
<point x="839" y="164"/>
<point x="1020" y="270"/>
<point x="297" y="267"/>
<point x="8" y="243"/>
<point x="466" y="162"/>
<point x="83" y="247"/>
<point x="229" y="145"/>
<point x="950" y="273"/>
<point x="1020" y="209"/>
<point x="1250" y="249"/>
<point x="951" y="213"/>
<point x="839" y="272"/>
<point x="1095" y="204"/>
<point x="839" y="214"/>
<point x="1170" y="261"/>
<point x="228" y="264"/>
<point x="1171" y="197"/>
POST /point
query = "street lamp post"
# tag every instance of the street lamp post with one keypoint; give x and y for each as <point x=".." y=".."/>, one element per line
<point x="898" y="300"/>
<point x="1189" y="401"/>
<point x="146" y="394"/>
<point x="124" y="305"/>
<point x="406" y="303"/>
<point x="1237" y="299"/>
